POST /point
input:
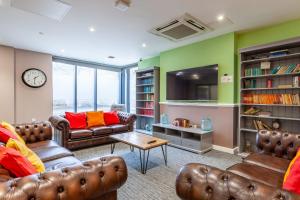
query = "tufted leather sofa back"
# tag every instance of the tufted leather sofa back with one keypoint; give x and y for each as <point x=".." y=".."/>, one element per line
<point x="201" y="182"/>
<point x="35" y="132"/>
<point x="95" y="179"/>
<point x="279" y="144"/>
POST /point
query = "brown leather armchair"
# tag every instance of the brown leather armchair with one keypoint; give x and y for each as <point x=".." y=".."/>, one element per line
<point x="66" y="178"/>
<point x="81" y="138"/>
<point x="258" y="177"/>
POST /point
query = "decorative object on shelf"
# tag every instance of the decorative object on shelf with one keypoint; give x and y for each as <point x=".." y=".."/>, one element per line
<point x="34" y="78"/>
<point x="248" y="146"/>
<point x="260" y="125"/>
<point x="206" y="124"/>
<point x="276" y="124"/>
<point x="164" y="119"/>
<point x="182" y="122"/>
<point x="296" y="80"/>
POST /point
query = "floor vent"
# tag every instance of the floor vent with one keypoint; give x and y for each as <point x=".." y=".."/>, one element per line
<point x="181" y="28"/>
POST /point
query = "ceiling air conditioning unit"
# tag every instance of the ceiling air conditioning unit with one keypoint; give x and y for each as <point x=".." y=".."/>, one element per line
<point x="181" y="28"/>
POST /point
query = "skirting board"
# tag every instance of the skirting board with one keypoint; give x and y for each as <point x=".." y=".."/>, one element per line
<point x="225" y="149"/>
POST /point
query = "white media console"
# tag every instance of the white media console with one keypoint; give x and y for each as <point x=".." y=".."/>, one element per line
<point x="191" y="139"/>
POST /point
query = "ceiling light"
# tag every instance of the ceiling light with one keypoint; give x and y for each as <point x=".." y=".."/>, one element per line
<point x="111" y="57"/>
<point x="41" y="33"/>
<point x="62" y="50"/>
<point x="92" y="29"/>
<point x="144" y="45"/>
<point x="220" y="17"/>
<point x="122" y="5"/>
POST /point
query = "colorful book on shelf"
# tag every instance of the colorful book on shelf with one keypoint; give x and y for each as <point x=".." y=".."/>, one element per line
<point x="297" y="69"/>
<point x="284" y="99"/>
<point x="275" y="70"/>
<point x="290" y="69"/>
<point x="282" y="69"/>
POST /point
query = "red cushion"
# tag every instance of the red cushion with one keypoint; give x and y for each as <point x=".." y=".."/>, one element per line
<point x="76" y="120"/>
<point x="111" y="118"/>
<point x="292" y="175"/>
<point x="5" y="135"/>
<point x="15" y="163"/>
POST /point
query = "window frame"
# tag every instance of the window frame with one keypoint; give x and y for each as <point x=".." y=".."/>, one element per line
<point x="95" y="66"/>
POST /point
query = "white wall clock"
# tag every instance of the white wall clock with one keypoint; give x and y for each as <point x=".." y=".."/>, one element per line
<point x="34" y="78"/>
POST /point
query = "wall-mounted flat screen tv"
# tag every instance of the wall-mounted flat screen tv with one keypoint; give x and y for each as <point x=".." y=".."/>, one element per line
<point x="200" y="83"/>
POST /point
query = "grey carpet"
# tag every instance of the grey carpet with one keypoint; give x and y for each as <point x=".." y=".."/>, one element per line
<point x="159" y="182"/>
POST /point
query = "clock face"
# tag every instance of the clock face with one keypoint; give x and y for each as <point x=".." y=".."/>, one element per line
<point x="34" y="78"/>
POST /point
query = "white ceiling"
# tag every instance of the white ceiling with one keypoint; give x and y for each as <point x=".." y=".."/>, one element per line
<point x="121" y="34"/>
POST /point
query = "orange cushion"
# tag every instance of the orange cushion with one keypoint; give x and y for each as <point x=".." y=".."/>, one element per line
<point x="292" y="176"/>
<point x="15" y="162"/>
<point x="95" y="119"/>
<point x="26" y="152"/>
<point x="12" y="129"/>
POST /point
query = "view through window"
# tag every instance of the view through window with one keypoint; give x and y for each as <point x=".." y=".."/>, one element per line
<point x="93" y="91"/>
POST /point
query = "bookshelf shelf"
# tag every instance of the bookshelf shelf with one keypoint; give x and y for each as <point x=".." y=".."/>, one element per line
<point x="288" y="88"/>
<point x="293" y="55"/>
<point x="269" y="85"/>
<point x="271" y="117"/>
<point x="147" y="99"/>
<point x="269" y="76"/>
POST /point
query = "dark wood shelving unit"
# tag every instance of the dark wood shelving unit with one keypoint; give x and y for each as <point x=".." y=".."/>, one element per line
<point x="288" y="115"/>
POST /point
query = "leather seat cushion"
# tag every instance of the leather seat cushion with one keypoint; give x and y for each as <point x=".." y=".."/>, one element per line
<point x="119" y="128"/>
<point x="52" y="153"/>
<point x="267" y="161"/>
<point x="61" y="163"/>
<point x="101" y="130"/>
<point x="42" y="144"/>
<point x="81" y="133"/>
<point x="257" y="173"/>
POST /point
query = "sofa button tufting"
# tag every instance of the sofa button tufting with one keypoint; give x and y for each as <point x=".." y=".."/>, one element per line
<point x="189" y="180"/>
<point x="101" y="174"/>
<point x="60" y="189"/>
<point x="82" y="181"/>
<point x="251" y="187"/>
<point x="31" y="198"/>
<point x="116" y="168"/>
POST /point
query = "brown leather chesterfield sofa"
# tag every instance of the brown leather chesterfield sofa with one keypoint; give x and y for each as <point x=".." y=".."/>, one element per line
<point x="80" y="138"/>
<point x="258" y="177"/>
<point x="66" y="178"/>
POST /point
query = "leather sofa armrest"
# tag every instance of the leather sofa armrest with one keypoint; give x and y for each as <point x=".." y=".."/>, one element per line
<point x="127" y="118"/>
<point x="63" y="126"/>
<point x="35" y="132"/>
<point x="201" y="182"/>
<point x="91" y="180"/>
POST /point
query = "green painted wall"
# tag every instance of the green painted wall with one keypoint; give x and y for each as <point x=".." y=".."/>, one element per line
<point x="222" y="50"/>
<point x="219" y="50"/>
<point x="149" y="62"/>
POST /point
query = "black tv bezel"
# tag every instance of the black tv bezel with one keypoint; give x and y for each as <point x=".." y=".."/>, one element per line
<point x="186" y="69"/>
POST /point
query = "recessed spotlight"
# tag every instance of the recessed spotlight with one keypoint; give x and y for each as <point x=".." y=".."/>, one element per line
<point x="111" y="57"/>
<point x="62" y="50"/>
<point x="144" y="45"/>
<point x="92" y="29"/>
<point x="41" y="33"/>
<point x="220" y="17"/>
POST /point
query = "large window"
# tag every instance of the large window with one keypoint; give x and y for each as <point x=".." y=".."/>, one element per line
<point x="78" y="88"/>
<point x="108" y="89"/>
<point x="63" y="88"/>
<point x="85" y="89"/>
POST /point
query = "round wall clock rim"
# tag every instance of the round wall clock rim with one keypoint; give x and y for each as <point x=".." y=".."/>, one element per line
<point x="29" y="69"/>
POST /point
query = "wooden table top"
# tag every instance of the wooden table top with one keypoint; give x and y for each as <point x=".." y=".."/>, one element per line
<point x="139" y="140"/>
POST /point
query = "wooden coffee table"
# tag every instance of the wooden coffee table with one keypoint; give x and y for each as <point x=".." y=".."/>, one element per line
<point x="144" y="143"/>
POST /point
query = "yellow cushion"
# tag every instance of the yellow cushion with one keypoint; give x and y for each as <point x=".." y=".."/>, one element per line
<point x="95" y="118"/>
<point x="12" y="129"/>
<point x="26" y="152"/>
